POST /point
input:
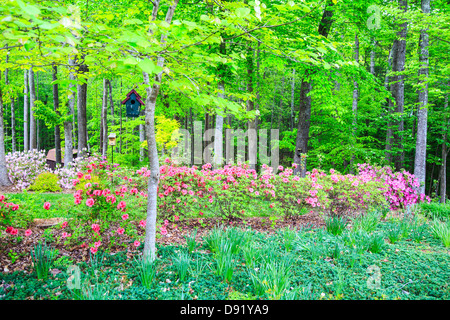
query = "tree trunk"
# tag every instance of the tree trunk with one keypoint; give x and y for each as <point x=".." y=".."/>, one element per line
<point x="150" y="102"/>
<point x="104" y="118"/>
<point x="55" y="107"/>
<point x="68" y="125"/>
<point x="390" y="104"/>
<point x="355" y="106"/>
<point x="13" y="127"/>
<point x="13" y="114"/>
<point x="258" y="52"/>
<point x="38" y="142"/>
<point x="301" y="143"/>
<point x="111" y="103"/>
<point x="72" y="88"/>
<point x="82" y="112"/>
<point x="372" y="58"/>
<point x="304" y="115"/>
<point x="4" y="177"/>
<point x="398" y="89"/>
<point x="292" y="100"/>
<point x="141" y="140"/>
<point x="422" y="115"/>
<point x="33" y="137"/>
<point x="443" y="182"/>
<point x="26" y="145"/>
<point x="251" y="124"/>
<point x="218" y="136"/>
<point x="121" y="127"/>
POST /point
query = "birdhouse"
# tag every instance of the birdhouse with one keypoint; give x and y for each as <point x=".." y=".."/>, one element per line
<point x="112" y="139"/>
<point x="133" y="103"/>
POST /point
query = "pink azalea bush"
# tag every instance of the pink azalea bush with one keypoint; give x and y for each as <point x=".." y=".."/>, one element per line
<point x="400" y="187"/>
<point x="5" y="211"/>
<point x="67" y="174"/>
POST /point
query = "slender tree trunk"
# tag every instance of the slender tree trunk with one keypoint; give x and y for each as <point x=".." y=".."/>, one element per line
<point x="72" y="102"/>
<point x="258" y="53"/>
<point x="33" y="137"/>
<point x="104" y="118"/>
<point x="120" y="107"/>
<point x="68" y="125"/>
<point x="26" y="145"/>
<point x="82" y="112"/>
<point x="38" y="142"/>
<point x="422" y="115"/>
<point x="398" y="89"/>
<point x="443" y="182"/>
<point x="141" y="140"/>
<point x="120" y="140"/>
<point x="390" y="104"/>
<point x="4" y="177"/>
<point x="251" y="124"/>
<point x="56" y="107"/>
<point x="13" y="127"/>
<point x="372" y="58"/>
<point x="218" y="136"/>
<point x="150" y="103"/>
<point x="355" y="105"/>
<point x="301" y="143"/>
<point x="13" y="114"/>
<point x="292" y="100"/>
<point x="111" y="103"/>
<point x="191" y="122"/>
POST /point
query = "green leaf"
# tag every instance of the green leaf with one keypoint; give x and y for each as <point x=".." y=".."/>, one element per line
<point x="28" y="8"/>
<point x="147" y="65"/>
<point x="130" y="61"/>
<point x="242" y="12"/>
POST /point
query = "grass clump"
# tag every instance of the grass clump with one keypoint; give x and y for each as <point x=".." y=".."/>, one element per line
<point x="335" y="225"/>
<point x="42" y="257"/>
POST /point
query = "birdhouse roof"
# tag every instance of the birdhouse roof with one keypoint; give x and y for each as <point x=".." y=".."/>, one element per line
<point x="138" y="97"/>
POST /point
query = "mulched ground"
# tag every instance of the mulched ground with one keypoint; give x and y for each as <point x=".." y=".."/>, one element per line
<point x="176" y="235"/>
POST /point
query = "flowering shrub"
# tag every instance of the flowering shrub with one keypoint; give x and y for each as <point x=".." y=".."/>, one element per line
<point x="291" y="193"/>
<point x="349" y="192"/>
<point x="400" y="187"/>
<point x="68" y="173"/>
<point x="92" y="191"/>
<point x="231" y="188"/>
<point x="180" y="190"/>
<point x="24" y="167"/>
<point x="5" y="210"/>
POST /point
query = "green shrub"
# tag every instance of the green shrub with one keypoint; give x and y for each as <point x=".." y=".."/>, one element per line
<point x="46" y="182"/>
